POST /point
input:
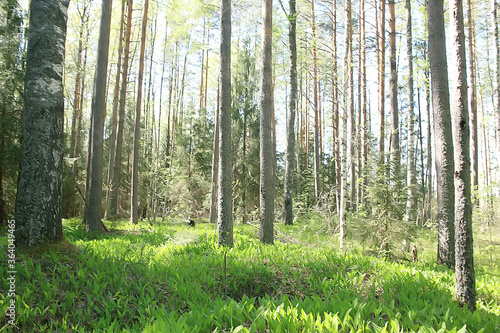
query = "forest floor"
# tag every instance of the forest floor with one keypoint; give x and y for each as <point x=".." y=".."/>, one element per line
<point x="173" y="278"/>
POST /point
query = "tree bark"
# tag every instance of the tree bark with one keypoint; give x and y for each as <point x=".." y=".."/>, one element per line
<point x="317" y="183"/>
<point x="115" y="180"/>
<point x="364" y="111"/>
<point x="134" y="202"/>
<point x="496" y="68"/>
<point x="290" y="149"/>
<point x="473" y="103"/>
<point x="266" y="233"/>
<point x="411" y="168"/>
<point x="343" y="128"/>
<point x="443" y="140"/>
<point x="225" y="206"/>
<point x="94" y="208"/>
<point x="393" y="92"/>
<point x="381" y="83"/>
<point x="215" y="162"/>
<point x="114" y="114"/>
<point x="465" y="282"/>
<point x="39" y="193"/>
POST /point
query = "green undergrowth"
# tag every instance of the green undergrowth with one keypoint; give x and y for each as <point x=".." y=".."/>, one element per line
<point x="171" y="278"/>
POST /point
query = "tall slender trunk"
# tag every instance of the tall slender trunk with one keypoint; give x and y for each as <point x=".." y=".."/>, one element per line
<point x="465" y="283"/>
<point x="215" y="161"/>
<point x="225" y="209"/>
<point x="335" y="110"/>
<point x="202" y="63"/>
<point x="134" y="202"/>
<point x="343" y="128"/>
<point x="443" y="139"/>
<point x="266" y="233"/>
<point x="364" y="111"/>
<point x="393" y="92"/>
<point x="352" y="112"/>
<point x="411" y="168"/>
<point x="496" y="68"/>
<point x="115" y="181"/>
<point x="429" y="144"/>
<point x="94" y="209"/>
<point x="473" y="104"/>
<point x="114" y="112"/>
<point x="290" y="149"/>
<point x="381" y="82"/>
<point x="317" y="184"/>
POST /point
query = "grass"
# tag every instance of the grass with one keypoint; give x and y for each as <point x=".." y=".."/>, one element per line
<point x="170" y="278"/>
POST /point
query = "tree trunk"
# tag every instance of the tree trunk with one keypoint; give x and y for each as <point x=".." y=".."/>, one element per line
<point x="266" y="233"/>
<point x="225" y="209"/>
<point x="114" y="114"/>
<point x="465" y="282"/>
<point x="215" y="161"/>
<point x="473" y="104"/>
<point x="290" y="149"/>
<point x="429" y="144"/>
<point x="496" y="68"/>
<point x="94" y="209"/>
<point x="364" y="106"/>
<point x="443" y="140"/>
<point x="317" y="183"/>
<point x="115" y="180"/>
<point x="343" y="128"/>
<point x="39" y="193"/>
<point x="134" y="202"/>
<point x="335" y="110"/>
<point x="411" y="168"/>
<point x="352" y="112"/>
<point x="381" y="83"/>
<point x="393" y="92"/>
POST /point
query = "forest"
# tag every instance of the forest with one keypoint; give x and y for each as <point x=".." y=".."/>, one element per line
<point x="249" y="166"/>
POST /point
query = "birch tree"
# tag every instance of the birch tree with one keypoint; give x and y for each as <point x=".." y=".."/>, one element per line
<point x="465" y="282"/>
<point x="39" y="192"/>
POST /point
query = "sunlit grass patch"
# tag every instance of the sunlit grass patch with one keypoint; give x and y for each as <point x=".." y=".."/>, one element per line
<point x="170" y="278"/>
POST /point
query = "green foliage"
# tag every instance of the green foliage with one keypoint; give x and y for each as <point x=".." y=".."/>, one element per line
<point x="170" y="279"/>
<point x="380" y="223"/>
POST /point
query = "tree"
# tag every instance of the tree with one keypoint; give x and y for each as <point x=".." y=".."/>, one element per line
<point x="411" y="171"/>
<point x="225" y="206"/>
<point x="39" y="193"/>
<point x="93" y="222"/>
<point x="381" y="81"/>
<point x="215" y="162"/>
<point x="393" y="91"/>
<point x="134" y="202"/>
<point x="290" y="148"/>
<point x="473" y="102"/>
<point x="266" y="233"/>
<point x="496" y="67"/>
<point x="442" y="134"/>
<point x="11" y="89"/>
<point x="114" y="113"/>
<point x="316" y="143"/>
<point x="348" y="105"/>
<point x="116" y="166"/>
<point x="465" y="282"/>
